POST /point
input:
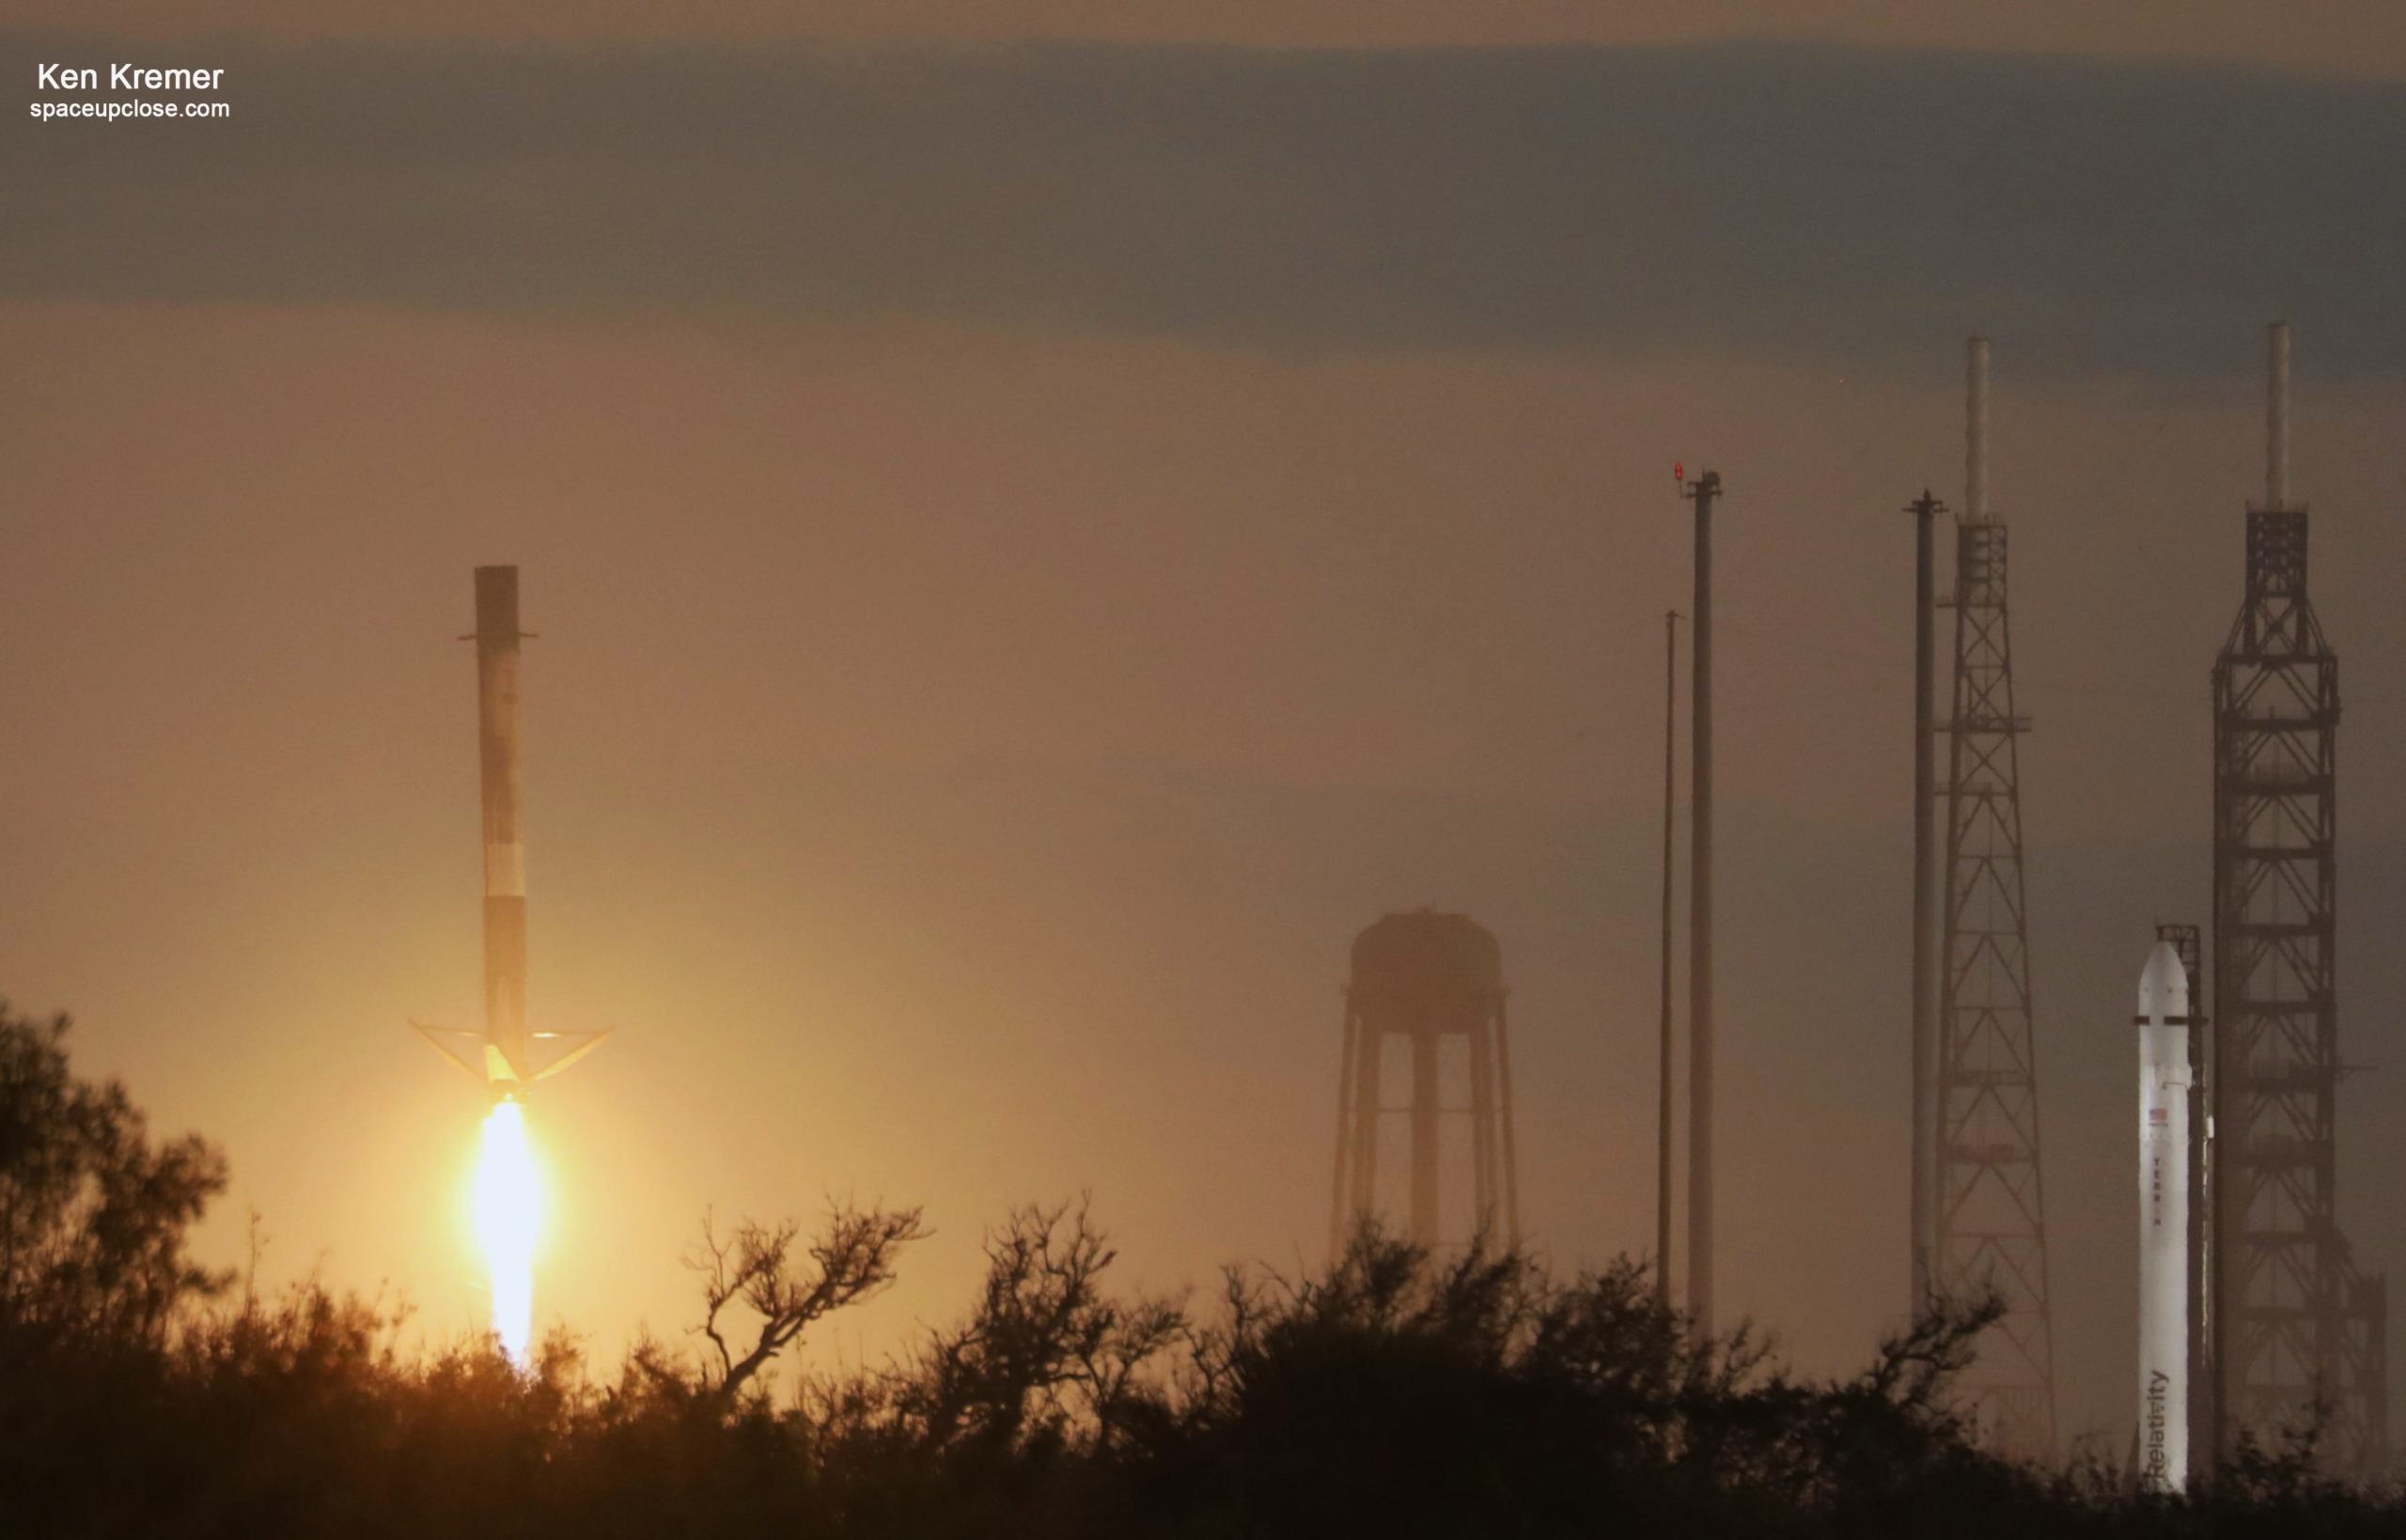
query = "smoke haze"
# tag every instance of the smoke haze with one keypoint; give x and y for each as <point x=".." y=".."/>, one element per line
<point x="1033" y="548"/>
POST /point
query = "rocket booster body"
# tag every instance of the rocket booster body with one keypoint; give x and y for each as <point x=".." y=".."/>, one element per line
<point x="497" y="636"/>
<point x="506" y="1055"/>
<point x="2163" y="1220"/>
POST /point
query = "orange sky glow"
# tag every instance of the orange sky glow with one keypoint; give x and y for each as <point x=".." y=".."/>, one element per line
<point x="960" y="751"/>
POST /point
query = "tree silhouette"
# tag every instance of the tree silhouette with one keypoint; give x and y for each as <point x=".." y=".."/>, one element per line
<point x="93" y="1217"/>
<point x="851" y="1259"/>
<point x="1402" y="1393"/>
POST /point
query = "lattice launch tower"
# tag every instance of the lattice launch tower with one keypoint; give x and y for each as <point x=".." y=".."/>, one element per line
<point x="1990" y="1233"/>
<point x="2295" y="1324"/>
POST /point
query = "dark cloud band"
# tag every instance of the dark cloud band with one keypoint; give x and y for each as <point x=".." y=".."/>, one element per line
<point x="1761" y="198"/>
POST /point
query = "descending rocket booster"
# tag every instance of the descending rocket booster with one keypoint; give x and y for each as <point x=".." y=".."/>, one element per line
<point x="2163" y="1220"/>
<point x="504" y="1054"/>
<point x="504" y="850"/>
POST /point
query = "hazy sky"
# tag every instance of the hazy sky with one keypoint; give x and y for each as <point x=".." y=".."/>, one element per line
<point x="2352" y="36"/>
<point x="1033" y="547"/>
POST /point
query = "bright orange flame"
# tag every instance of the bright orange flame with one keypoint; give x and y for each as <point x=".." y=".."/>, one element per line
<point x="508" y="1204"/>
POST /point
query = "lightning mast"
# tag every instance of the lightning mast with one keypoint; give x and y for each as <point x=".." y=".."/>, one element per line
<point x="1664" y="1068"/>
<point x="2296" y="1327"/>
<point x="1991" y="1234"/>
<point x="1924" y="510"/>
<point x="1702" y="492"/>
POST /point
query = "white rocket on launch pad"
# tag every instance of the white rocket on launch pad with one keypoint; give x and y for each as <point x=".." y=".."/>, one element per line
<point x="2163" y="1220"/>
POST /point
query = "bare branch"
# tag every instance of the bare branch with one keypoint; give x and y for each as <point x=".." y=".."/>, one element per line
<point x="852" y="1258"/>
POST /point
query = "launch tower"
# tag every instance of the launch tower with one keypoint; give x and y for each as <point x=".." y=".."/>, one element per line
<point x="1990" y="1215"/>
<point x="2295" y="1324"/>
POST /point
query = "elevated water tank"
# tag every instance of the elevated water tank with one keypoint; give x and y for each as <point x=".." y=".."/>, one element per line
<point x="1426" y="972"/>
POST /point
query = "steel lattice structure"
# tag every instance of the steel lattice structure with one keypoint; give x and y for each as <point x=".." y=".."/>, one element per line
<point x="2190" y="941"/>
<point x="1990" y="1220"/>
<point x="2298" y="1328"/>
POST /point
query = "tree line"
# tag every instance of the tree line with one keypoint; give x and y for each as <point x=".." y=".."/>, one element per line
<point x="1396" y="1392"/>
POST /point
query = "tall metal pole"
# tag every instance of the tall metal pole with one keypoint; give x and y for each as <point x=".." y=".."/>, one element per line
<point x="1703" y="491"/>
<point x="2276" y="417"/>
<point x="1663" y="1112"/>
<point x="1424" y="1135"/>
<point x="497" y="638"/>
<point x="1925" y="1020"/>
<point x="1975" y="430"/>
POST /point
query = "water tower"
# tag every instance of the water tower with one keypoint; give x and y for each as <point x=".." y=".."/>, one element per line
<point x="1429" y="989"/>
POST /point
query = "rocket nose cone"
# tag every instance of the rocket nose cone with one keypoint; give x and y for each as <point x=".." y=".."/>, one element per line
<point x="2163" y="985"/>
